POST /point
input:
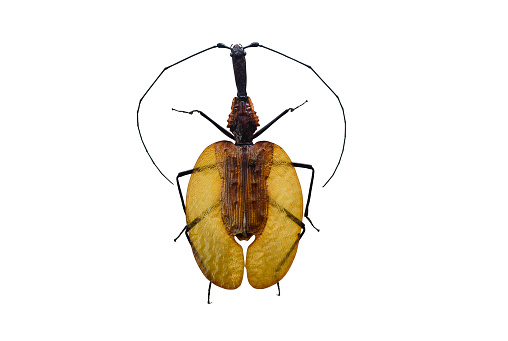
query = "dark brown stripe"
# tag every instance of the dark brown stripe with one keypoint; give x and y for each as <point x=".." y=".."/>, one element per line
<point x="202" y="215"/>
<point x="277" y="269"/>
<point x="294" y="219"/>
<point x="288" y="214"/>
<point x="282" y="163"/>
<point x="204" y="168"/>
<point x="190" y="226"/>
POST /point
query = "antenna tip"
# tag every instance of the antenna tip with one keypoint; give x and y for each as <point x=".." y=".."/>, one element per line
<point x="255" y="44"/>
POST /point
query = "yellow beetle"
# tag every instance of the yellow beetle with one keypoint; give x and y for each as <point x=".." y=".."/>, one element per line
<point x="241" y="190"/>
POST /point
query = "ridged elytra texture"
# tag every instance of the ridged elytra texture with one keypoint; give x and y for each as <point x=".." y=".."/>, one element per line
<point x="243" y="191"/>
<point x="244" y="198"/>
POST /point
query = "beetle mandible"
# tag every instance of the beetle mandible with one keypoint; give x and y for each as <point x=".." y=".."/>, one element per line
<point x="241" y="190"/>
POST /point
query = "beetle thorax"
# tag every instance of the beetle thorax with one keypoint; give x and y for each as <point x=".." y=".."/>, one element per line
<point x="243" y="120"/>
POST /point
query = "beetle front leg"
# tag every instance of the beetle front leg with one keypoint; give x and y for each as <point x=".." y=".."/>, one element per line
<point x="262" y="130"/>
<point x="224" y="131"/>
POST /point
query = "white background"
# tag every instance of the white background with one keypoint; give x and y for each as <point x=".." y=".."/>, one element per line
<point x="413" y="241"/>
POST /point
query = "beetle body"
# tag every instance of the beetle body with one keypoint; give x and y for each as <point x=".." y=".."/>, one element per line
<point x="243" y="189"/>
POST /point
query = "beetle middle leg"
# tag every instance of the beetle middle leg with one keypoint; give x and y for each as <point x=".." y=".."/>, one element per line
<point x="306" y="214"/>
<point x="186" y="229"/>
<point x="184" y="173"/>
<point x="209" y="287"/>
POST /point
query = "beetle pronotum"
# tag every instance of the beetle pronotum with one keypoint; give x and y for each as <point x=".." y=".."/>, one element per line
<point x="243" y="189"/>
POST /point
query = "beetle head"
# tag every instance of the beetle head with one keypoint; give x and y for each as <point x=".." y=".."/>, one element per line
<point x="240" y="68"/>
<point x="237" y="51"/>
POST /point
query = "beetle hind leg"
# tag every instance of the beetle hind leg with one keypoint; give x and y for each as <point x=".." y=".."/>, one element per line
<point x="209" y="287"/>
<point x="311" y="223"/>
<point x="185" y="228"/>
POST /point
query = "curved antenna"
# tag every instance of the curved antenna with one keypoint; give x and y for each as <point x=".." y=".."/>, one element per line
<point x="220" y="45"/>
<point x="338" y="99"/>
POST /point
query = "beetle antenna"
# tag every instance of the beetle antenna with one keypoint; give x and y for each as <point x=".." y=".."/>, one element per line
<point x="321" y="79"/>
<point x="223" y="46"/>
<point x="220" y="45"/>
<point x="251" y="45"/>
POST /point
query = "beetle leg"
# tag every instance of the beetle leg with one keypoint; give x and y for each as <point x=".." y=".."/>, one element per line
<point x="190" y="171"/>
<point x="209" y="287"/>
<point x="278" y="287"/>
<point x="187" y="172"/>
<point x="306" y="214"/>
<point x="186" y="229"/>
<point x="262" y="130"/>
<point x="224" y="131"/>
<point x="180" y="233"/>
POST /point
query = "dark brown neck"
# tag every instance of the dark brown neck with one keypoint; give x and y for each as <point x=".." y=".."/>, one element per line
<point x="243" y="121"/>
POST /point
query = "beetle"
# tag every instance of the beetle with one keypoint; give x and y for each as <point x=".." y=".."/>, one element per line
<point x="242" y="189"/>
